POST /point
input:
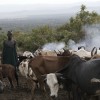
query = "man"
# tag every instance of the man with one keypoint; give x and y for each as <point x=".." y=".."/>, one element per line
<point x="9" y="54"/>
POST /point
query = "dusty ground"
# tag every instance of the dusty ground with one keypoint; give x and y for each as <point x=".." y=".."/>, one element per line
<point x="23" y="92"/>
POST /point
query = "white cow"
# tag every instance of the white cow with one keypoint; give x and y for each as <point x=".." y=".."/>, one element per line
<point x="23" y="68"/>
<point x="28" y="54"/>
<point x="82" y="53"/>
<point x="45" y="53"/>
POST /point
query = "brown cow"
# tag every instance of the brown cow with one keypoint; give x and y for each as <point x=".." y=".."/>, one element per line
<point x="8" y="71"/>
<point x="47" y="64"/>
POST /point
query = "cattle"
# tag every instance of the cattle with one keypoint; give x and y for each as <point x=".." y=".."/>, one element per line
<point x="59" y="52"/>
<point x="55" y="81"/>
<point x="9" y="71"/>
<point x="47" y="64"/>
<point x="53" y="84"/>
<point x="23" y="68"/>
<point x="29" y="74"/>
<point x="84" y="76"/>
<point x="45" y="53"/>
<point x="48" y="53"/>
<point x="21" y="58"/>
<point x="80" y="47"/>
<point x="28" y="54"/>
<point x="25" y="55"/>
<point x="82" y="53"/>
<point x="64" y="53"/>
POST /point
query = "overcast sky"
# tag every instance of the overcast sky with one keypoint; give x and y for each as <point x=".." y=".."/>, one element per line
<point x="24" y="7"/>
<point x="43" y="1"/>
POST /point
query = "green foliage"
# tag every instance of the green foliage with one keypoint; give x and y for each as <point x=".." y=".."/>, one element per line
<point x="75" y="24"/>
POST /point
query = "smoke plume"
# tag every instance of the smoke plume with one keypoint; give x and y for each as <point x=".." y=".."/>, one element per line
<point x="92" y="38"/>
<point x="53" y="46"/>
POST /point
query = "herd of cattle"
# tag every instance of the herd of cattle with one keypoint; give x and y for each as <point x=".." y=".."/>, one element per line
<point x="76" y="71"/>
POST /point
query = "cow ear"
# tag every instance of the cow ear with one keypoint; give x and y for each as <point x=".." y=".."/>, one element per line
<point x="44" y="77"/>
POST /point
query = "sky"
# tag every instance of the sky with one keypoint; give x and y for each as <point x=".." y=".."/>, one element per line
<point x="7" y="2"/>
<point x="19" y="8"/>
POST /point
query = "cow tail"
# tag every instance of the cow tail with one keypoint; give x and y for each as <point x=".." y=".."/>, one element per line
<point x="94" y="51"/>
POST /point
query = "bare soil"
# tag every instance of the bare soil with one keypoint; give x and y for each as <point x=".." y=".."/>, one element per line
<point x="23" y="92"/>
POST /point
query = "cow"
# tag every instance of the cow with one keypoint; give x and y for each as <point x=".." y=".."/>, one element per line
<point x="45" y="53"/>
<point x="52" y="82"/>
<point x="25" y="55"/>
<point x="84" y="76"/>
<point x="80" y="47"/>
<point x="64" y="53"/>
<point x="28" y="54"/>
<point x="7" y="70"/>
<point x="23" y="68"/>
<point x="82" y="53"/>
<point x="20" y="59"/>
<point x="55" y="81"/>
<point x="29" y="74"/>
<point x="47" y="64"/>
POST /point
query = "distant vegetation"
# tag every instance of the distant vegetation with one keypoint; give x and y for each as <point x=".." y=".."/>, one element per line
<point x="46" y="34"/>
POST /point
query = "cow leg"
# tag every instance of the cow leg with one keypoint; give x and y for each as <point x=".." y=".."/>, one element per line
<point x="96" y="97"/>
<point x="43" y="89"/>
<point x="42" y="86"/>
<point x="10" y="80"/>
<point x="33" y="87"/>
<point x="41" y="83"/>
<point x="16" y="77"/>
<point x="76" y="93"/>
<point x="69" y="95"/>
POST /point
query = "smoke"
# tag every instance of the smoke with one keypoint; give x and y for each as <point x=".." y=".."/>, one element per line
<point x="74" y="46"/>
<point x="53" y="46"/>
<point x="92" y="38"/>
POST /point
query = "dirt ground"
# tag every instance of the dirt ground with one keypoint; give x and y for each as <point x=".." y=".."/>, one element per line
<point x="23" y="92"/>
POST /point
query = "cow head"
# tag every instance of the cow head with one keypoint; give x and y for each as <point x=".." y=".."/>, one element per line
<point x="52" y="82"/>
<point x="23" y="68"/>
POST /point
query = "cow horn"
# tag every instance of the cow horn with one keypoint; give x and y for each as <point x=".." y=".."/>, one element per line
<point x="94" y="51"/>
<point x="59" y="52"/>
<point x="55" y="51"/>
<point x="64" y="49"/>
<point x="44" y="75"/>
<point x="58" y="74"/>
